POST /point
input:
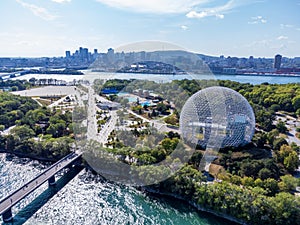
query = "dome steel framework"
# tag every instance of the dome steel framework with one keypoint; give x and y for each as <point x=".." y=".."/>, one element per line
<point x="217" y="117"/>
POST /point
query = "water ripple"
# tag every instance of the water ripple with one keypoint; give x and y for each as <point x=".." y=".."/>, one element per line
<point x="88" y="199"/>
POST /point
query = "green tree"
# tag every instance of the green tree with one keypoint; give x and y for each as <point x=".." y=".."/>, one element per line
<point x="169" y="144"/>
<point x="288" y="183"/>
<point x="278" y="142"/>
<point x="285" y="209"/>
<point x="296" y="102"/>
<point x="281" y="127"/>
<point x="14" y="88"/>
<point x="264" y="174"/>
<point x="260" y="139"/>
<point x="161" y="107"/>
<point x="23" y="132"/>
<point x="146" y="159"/>
<point x="271" y="185"/>
<point x="248" y="181"/>
<point x="56" y="130"/>
<point x="271" y="136"/>
<point x="291" y="162"/>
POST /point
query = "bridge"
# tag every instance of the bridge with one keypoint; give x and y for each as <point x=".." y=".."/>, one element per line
<point x="8" y="202"/>
<point x="14" y="74"/>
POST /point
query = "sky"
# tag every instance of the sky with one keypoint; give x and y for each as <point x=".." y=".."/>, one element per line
<point x="242" y="28"/>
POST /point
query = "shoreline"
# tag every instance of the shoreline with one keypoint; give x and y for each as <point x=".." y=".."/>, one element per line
<point x="23" y="155"/>
<point x="193" y="204"/>
<point x="258" y="75"/>
<point x="219" y="74"/>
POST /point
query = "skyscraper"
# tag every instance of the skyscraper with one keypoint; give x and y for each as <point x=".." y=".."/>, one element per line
<point x="110" y="55"/>
<point x="277" y="63"/>
<point x="68" y="54"/>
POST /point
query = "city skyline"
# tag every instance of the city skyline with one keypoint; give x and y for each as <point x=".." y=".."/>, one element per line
<point x="237" y="28"/>
<point x="153" y="61"/>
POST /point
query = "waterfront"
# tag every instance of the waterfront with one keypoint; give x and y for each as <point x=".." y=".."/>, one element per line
<point x="164" y="78"/>
<point x="87" y="199"/>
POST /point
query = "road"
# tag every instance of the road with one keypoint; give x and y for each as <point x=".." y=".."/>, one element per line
<point x="29" y="187"/>
<point x="7" y="131"/>
<point x="108" y="127"/>
<point x="291" y="123"/>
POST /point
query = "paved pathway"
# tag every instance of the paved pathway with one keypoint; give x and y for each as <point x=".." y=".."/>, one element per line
<point x="291" y="124"/>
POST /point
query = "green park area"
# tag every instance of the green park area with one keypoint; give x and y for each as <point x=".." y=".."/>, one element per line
<point x="256" y="183"/>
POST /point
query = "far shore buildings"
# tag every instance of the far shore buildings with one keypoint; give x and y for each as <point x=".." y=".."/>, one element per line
<point x="111" y="61"/>
<point x="277" y="62"/>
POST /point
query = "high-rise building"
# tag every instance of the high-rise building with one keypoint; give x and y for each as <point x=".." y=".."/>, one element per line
<point x="111" y="55"/>
<point x="143" y="55"/>
<point x="85" y="54"/>
<point x="277" y="63"/>
<point x="80" y="51"/>
<point x="68" y="54"/>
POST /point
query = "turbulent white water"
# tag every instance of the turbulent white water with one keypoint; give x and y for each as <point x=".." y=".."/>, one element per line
<point x="87" y="199"/>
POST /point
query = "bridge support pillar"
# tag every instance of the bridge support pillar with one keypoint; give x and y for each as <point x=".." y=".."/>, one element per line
<point x="7" y="215"/>
<point x="51" y="181"/>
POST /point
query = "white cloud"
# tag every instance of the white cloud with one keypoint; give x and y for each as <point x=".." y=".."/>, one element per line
<point x="194" y="14"/>
<point x="220" y="16"/>
<point x="217" y="11"/>
<point x="282" y="38"/>
<point x="155" y="6"/>
<point x="273" y="46"/>
<point x="257" y="20"/>
<point x="37" y="10"/>
<point x="61" y="1"/>
<point x="289" y="26"/>
<point x="184" y="27"/>
<point x="286" y="26"/>
<point x="260" y="43"/>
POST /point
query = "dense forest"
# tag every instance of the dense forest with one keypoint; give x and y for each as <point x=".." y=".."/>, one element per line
<point x="39" y="132"/>
<point x="14" y="85"/>
<point x="13" y="108"/>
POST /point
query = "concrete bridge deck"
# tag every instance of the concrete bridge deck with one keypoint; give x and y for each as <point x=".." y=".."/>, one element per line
<point x="48" y="175"/>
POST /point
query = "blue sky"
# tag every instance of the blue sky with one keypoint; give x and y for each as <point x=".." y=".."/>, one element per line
<point x="262" y="28"/>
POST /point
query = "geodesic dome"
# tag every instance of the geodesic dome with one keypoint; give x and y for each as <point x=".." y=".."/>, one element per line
<point x="217" y="117"/>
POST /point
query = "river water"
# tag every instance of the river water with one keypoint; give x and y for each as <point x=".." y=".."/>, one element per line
<point x="156" y="77"/>
<point x="87" y="199"/>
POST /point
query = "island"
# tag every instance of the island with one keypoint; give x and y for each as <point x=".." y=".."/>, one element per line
<point x="253" y="184"/>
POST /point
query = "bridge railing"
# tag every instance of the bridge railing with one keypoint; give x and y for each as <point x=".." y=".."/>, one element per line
<point x="70" y="157"/>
